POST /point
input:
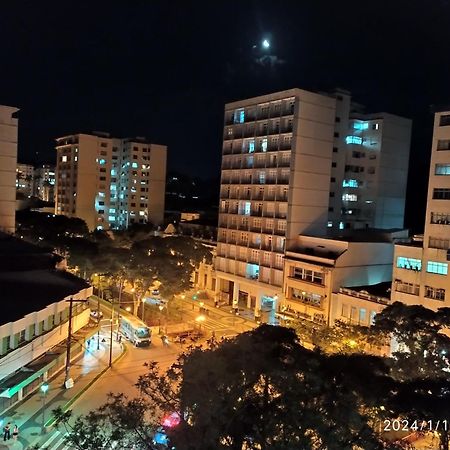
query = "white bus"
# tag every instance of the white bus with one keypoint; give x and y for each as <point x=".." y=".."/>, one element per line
<point x="135" y="331"/>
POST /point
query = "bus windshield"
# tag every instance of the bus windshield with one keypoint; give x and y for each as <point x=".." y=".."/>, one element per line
<point x="143" y="332"/>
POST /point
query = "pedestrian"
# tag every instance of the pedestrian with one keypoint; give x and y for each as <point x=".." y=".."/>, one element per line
<point x="7" y="432"/>
<point x="120" y="338"/>
<point x="15" y="432"/>
<point x="88" y="342"/>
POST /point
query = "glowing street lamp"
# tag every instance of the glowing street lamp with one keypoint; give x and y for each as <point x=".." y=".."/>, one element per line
<point x="44" y="389"/>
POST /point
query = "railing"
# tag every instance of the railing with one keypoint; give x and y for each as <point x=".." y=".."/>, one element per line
<point x="363" y="296"/>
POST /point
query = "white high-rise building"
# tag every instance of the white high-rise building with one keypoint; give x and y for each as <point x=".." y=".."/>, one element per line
<point x="296" y="162"/>
<point x="369" y="169"/>
<point x="421" y="274"/>
<point x="110" y="182"/>
<point x="276" y="168"/>
<point x="8" y="161"/>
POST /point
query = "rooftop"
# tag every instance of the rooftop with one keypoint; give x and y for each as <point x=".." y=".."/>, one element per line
<point x="380" y="293"/>
<point x="28" y="279"/>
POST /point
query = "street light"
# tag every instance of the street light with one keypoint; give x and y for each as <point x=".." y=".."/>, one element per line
<point x="44" y="388"/>
<point x="200" y="319"/>
<point x="161" y="307"/>
<point x="143" y="310"/>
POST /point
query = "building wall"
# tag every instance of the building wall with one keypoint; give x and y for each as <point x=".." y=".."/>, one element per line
<point x="311" y="280"/>
<point x="109" y="182"/>
<point x="275" y="176"/>
<point x="33" y="335"/>
<point x="424" y="271"/>
<point x="8" y="161"/>
<point x="24" y="179"/>
<point x="44" y="183"/>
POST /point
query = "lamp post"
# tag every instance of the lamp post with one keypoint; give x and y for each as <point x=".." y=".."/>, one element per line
<point x="44" y="388"/>
<point x="143" y="310"/>
<point x="200" y="319"/>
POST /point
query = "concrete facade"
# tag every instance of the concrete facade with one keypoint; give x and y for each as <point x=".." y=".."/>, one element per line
<point x="369" y="168"/>
<point x="44" y="183"/>
<point x="421" y="267"/>
<point x="25" y="179"/>
<point x="8" y="161"/>
<point x="109" y="182"/>
<point x="318" y="268"/>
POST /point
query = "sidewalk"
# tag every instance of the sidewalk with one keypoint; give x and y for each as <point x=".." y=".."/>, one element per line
<point x="30" y="414"/>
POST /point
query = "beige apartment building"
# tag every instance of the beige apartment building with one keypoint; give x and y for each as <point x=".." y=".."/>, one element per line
<point x="24" y="179"/>
<point x="276" y="166"/>
<point x="110" y="182"/>
<point x="8" y="161"/>
<point x="421" y="266"/>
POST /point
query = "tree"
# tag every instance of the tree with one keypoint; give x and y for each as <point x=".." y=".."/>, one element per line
<point x="263" y="390"/>
<point x="420" y="346"/>
<point x="120" y="423"/>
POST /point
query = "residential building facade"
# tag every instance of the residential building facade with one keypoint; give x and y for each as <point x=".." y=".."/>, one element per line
<point x="369" y="168"/>
<point x="25" y="179"/>
<point x="317" y="269"/>
<point x="44" y="183"/>
<point x="421" y="273"/>
<point x="8" y="161"/>
<point x="110" y="182"/>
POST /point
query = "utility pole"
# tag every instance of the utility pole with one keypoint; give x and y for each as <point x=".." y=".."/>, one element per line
<point x="67" y="383"/>
<point x="111" y="336"/>
<point x="98" y="312"/>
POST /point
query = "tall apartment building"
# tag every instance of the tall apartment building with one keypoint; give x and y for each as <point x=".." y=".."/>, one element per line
<point x="276" y="168"/>
<point x="44" y="182"/>
<point x="421" y="273"/>
<point x="8" y="161"/>
<point x="25" y="179"/>
<point x="110" y="182"/>
<point x="296" y="162"/>
<point x="369" y="169"/>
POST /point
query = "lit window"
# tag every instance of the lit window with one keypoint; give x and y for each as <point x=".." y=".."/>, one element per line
<point x="64" y="158"/>
<point x="142" y="213"/>
<point x="437" y="267"/>
<point x="134" y="165"/>
<point x="239" y="116"/>
<point x="251" y="146"/>
<point x="264" y="145"/>
<point x="362" y="315"/>
<point x="350" y="183"/>
<point x="353" y="140"/>
<point x="111" y="218"/>
<point x="409" y="263"/>
<point x="375" y="126"/>
<point x="76" y="158"/>
<point x="112" y="211"/>
<point x="330" y="224"/>
<point x="341" y="225"/>
<point x="102" y="161"/>
<point x="101" y="194"/>
<point x="360" y="125"/>
<point x="262" y="177"/>
<point x="442" y="169"/>
<point x="349" y="197"/>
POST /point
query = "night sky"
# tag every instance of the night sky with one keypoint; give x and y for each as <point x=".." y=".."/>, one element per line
<point x="164" y="69"/>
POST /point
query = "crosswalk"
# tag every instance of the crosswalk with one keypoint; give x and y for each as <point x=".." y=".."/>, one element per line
<point x="55" y="442"/>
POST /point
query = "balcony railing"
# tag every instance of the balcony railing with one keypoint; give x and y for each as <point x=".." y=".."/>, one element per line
<point x="361" y="295"/>
<point x="256" y="213"/>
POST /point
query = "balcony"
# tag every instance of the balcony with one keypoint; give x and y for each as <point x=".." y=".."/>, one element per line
<point x="249" y="133"/>
<point x="286" y="146"/>
<point x="279" y="232"/>
<point x="255" y="244"/>
<point x="256" y="213"/>
<point x="284" y="163"/>
<point x="286" y="128"/>
<point x="283" y="180"/>
<point x="257" y="196"/>
<point x="267" y="247"/>
<point x="271" y="181"/>
<point x="281" y="215"/>
<point x="262" y="115"/>
<point x="270" y="214"/>
<point x="243" y="227"/>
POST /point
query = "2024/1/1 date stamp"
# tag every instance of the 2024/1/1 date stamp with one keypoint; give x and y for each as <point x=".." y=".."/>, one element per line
<point x="414" y="425"/>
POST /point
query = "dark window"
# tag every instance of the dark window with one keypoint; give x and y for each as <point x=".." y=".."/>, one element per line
<point x="103" y="170"/>
<point x="330" y="209"/>
<point x="102" y="178"/>
<point x="101" y="203"/>
<point x="337" y="119"/>
<point x="335" y="149"/>
<point x="339" y="97"/>
<point x="441" y="194"/>
<point x="444" y="120"/>
<point x="331" y="194"/>
<point x="443" y="144"/>
<point x="135" y="157"/>
<point x="133" y="205"/>
<point x="103" y="144"/>
<point x="336" y="134"/>
<point x="101" y="211"/>
<point x="333" y="164"/>
<point x="333" y="179"/>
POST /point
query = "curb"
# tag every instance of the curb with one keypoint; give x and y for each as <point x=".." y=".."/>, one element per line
<point x="50" y="422"/>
